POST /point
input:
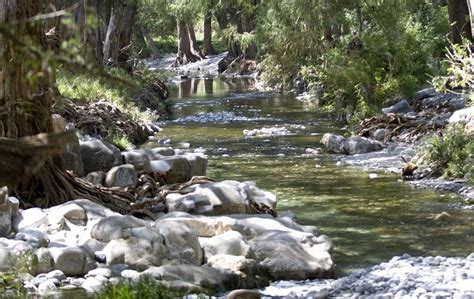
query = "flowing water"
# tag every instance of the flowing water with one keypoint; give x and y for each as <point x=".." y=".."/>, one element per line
<point x="369" y="220"/>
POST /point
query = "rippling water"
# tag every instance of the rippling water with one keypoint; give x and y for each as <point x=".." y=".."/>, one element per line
<point x="369" y="220"/>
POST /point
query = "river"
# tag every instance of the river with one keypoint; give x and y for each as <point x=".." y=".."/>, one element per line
<point x="369" y="219"/>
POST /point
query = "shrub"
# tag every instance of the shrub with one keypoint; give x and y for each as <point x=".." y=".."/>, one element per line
<point x="452" y="152"/>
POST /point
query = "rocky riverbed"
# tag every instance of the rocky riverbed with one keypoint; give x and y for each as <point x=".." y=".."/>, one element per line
<point x="198" y="236"/>
<point x="401" y="277"/>
<point x="389" y="145"/>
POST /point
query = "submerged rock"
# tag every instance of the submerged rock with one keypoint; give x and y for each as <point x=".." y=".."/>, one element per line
<point x="350" y="146"/>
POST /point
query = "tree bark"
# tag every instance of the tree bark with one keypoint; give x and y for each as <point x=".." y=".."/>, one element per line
<point x="185" y="55"/>
<point x="26" y="95"/>
<point x="470" y="4"/>
<point x="125" y="33"/>
<point x="155" y="52"/>
<point x="208" y="49"/>
<point x="458" y="12"/>
<point x="111" y="43"/>
<point x="193" y="42"/>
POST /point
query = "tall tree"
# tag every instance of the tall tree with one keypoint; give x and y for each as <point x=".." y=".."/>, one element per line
<point x="185" y="54"/>
<point x="459" y="17"/>
<point x="193" y="41"/>
<point x="208" y="49"/>
<point x="26" y="94"/>
<point x="119" y="32"/>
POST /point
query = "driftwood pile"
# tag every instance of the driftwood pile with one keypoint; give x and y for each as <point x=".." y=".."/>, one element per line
<point x="103" y="119"/>
<point x="407" y="128"/>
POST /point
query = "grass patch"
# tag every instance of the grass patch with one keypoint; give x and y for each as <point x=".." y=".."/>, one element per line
<point x="145" y="288"/>
<point x="83" y="89"/>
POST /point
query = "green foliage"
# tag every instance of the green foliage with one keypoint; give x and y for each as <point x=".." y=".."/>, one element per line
<point x="400" y="46"/>
<point x="145" y="288"/>
<point x="11" y="283"/>
<point x="82" y="88"/>
<point x="460" y="68"/>
<point x="453" y="152"/>
<point x="121" y="141"/>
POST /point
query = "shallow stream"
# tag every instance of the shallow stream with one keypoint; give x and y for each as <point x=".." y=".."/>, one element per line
<point x="369" y="220"/>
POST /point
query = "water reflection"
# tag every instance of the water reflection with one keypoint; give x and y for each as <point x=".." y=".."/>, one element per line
<point x="210" y="87"/>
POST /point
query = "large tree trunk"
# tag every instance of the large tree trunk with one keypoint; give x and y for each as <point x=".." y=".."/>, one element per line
<point x="458" y="11"/>
<point x="193" y="42"/>
<point x="208" y="49"/>
<point x="111" y="42"/>
<point x="470" y="4"/>
<point x="155" y="53"/>
<point x="26" y="96"/>
<point x="125" y="34"/>
<point x="185" y="55"/>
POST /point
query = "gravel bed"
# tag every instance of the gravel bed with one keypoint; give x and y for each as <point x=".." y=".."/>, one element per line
<point x="401" y="277"/>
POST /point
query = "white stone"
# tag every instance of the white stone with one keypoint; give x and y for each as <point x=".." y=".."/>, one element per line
<point x="47" y="287"/>
<point x="228" y="243"/>
<point x="73" y="261"/>
<point x="92" y="285"/>
<point x="30" y="218"/>
<point x="139" y="160"/>
<point x="70" y="211"/>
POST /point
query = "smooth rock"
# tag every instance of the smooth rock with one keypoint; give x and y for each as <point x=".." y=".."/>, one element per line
<point x="400" y="107"/>
<point x="182" y="243"/>
<point x="204" y="276"/>
<point x="96" y="178"/>
<point x="159" y="166"/>
<point x="35" y="237"/>
<point x="161" y="151"/>
<point x="30" y="218"/>
<point x="98" y="155"/>
<point x="94" y="211"/>
<point x="47" y="287"/>
<point x="360" y="145"/>
<point x="55" y="274"/>
<point x="198" y="163"/>
<point x="92" y="285"/>
<point x="130" y="274"/>
<point x="333" y="143"/>
<point x="228" y="243"/>
<point x="139" y="160"/>
<point x="5" y="224"/>
<point x="379" y="134"/>
<point x="244" y="294"/>
<point x="45" y="261"/>
<point x="115" y="227"/>
<point x="73" y="261"/>
<point x="123" y="176"/>
<point x="105" y="272"/>
<point x="137" y="253"/>
<point x="70" y="211"/>
<point x="425" y="93"/>
<point x="180" y="169"/>
<point x="465" y="116"/>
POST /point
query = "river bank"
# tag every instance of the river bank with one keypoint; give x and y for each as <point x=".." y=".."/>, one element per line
<point x="361" y="212"/>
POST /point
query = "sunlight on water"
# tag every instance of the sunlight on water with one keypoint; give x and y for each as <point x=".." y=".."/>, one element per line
<point x="369" y="220"/>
